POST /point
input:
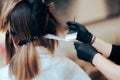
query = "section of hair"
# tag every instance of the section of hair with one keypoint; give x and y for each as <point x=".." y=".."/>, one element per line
<point x="25" y="64"/>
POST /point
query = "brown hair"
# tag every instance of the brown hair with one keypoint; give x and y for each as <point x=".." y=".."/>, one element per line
<point x="24" y="25"/>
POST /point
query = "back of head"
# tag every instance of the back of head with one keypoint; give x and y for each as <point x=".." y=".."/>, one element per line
<point x="28" y="20"/>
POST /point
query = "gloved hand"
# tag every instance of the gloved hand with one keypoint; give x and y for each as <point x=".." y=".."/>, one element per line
<point x="83" y="34"/>
<point x="85" y="51"/>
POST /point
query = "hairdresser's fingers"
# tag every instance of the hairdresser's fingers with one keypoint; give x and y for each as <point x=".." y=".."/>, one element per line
<point x="71" y="28"/>
<point x="77" y="45"/>
<point x="71" y="23"/>
<point x="85" y="51"/>
<point x="75" y="24"/>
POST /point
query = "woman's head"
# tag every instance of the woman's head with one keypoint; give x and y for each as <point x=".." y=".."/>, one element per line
<point x="27" y="21"/>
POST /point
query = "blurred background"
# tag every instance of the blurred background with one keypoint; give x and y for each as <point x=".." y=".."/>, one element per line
<point x="101" y="17"/>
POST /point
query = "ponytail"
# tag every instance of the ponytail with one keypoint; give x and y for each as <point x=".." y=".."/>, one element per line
<point x="25" y="64"/>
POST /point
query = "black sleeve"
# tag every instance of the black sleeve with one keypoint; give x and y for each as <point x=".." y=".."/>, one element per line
<point x="115" y="54"/>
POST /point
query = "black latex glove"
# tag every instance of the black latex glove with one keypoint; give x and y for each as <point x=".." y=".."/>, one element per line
<point x="85" y="51"/>
<point x="83" y="34"/>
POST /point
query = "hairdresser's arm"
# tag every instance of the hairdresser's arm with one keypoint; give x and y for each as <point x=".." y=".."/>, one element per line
<point x="87" y="37"/>
<point x="108" y="68"/>
<point x="88" y="53"/>
<point x="108" y="50"/>
<point x="102" y="46"/>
